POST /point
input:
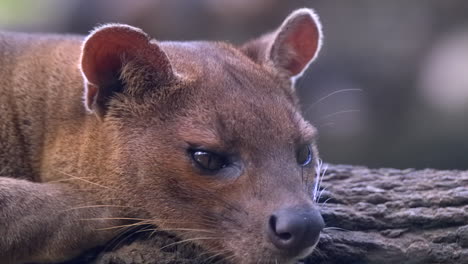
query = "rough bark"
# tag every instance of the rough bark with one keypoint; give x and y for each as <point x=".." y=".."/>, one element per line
<point x="374" y="216"/>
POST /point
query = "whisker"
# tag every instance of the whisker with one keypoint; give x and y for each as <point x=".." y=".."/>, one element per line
<point x="95" y="206"/>
<point x="182" y="229"/>
<point x="152" y="221"/>
<point x="228" y="259"/>
<point x="190" y="240"/>
<point x="260" y="260"/>
<point x="67" y="179"/>
<point x="129" y="235"/>
<point x="154" y="232"/>
<point x="209" y="221"/>
<point x="82" y="179"/>
<point x="320" y="171"/>
<point x="112" y="243"/>
<point x="321" y="193"/>
<point x="122" y="226"/>
<point x="215" y="255"/>
<point x="325" y="202"/>
<point x="329" y="95"/>
<point x="329" y="124"/>
<point x="114" y="218"/>
<point x="339" y="113"/>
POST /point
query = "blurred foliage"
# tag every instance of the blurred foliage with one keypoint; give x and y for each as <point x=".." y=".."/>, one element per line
<point x="17" y="11"/>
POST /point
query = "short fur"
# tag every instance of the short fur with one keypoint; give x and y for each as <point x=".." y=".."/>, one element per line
<point x="73" y="180"/>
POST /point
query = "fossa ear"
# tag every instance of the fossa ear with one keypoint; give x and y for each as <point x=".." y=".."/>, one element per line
<point x="105" y="53"/>
<point x="292" y="47"/>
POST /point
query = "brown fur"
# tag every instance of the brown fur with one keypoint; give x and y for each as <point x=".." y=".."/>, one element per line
<point x="71" y="176"/>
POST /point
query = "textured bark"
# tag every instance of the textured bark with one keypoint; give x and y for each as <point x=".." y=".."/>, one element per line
<point x="373" y="216"/>
<point x="394" y="216"/>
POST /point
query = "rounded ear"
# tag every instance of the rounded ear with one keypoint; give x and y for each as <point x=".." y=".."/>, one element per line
<point x="292" y="47"/>
<point x="104" y="54"/>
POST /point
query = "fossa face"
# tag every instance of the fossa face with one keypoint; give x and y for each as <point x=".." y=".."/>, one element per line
<point x="211" y="136"/>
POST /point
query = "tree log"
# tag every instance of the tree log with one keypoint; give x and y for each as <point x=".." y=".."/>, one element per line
<point x="373" y="216"/>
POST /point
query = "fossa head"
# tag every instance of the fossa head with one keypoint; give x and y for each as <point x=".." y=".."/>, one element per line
<point x="209" y="136"/>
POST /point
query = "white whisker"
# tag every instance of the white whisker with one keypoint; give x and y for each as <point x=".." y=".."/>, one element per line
<point x="339" y="113"/>
<point x="320" y="170"/>
<point x="329" y="95"/>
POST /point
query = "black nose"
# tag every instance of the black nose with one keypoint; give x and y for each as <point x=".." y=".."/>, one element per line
<point x="295" y="229"/>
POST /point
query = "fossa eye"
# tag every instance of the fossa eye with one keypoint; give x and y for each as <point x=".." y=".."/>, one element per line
<point x="304" y="155"/>
<point x="209" y="161"/>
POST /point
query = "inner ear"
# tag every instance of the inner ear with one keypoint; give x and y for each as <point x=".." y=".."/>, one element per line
<point x="297" y="42"/>
<point x="292" y="47"/>
<point x="105" y="53"/>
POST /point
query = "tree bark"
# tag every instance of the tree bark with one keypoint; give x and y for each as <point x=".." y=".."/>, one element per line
<point x="373" y="216"/>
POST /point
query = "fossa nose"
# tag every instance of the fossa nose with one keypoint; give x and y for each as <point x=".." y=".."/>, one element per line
<point x="295" y="229"/>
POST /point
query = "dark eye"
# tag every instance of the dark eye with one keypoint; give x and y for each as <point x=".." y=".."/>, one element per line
<point x="208" y="160"/>
<point x="304" y="155"/>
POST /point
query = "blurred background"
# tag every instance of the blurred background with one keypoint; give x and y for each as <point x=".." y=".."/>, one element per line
<point x="390" y="88"/>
